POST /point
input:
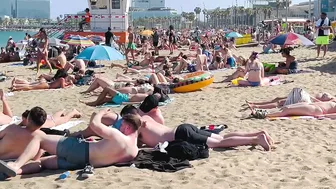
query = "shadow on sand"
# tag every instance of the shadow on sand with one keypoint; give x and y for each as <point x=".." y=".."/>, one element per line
<point x="329" y="67"/>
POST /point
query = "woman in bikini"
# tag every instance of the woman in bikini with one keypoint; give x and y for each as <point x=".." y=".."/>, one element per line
<point x="254" y="72"/>
<point x="24" y="85"/>
<point x="42" y="50"/>
<point x="290" y="65"/>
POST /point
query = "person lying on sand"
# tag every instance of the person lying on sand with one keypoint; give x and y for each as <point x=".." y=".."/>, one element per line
<point x="297" y="95"/>
<point x="316" y="109"/>
<point x="6" y="116"/>
<point x="111" y="95"/>
<point x="149" y="107"/>
<point x="24" y="85"/>
<point x="140" y="86"/>
<point x="71" y="153"/>
<point x="14" y="139"/>
<point x="153" y="133"/>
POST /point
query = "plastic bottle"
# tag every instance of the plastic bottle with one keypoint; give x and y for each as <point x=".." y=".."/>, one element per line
<point x="65" y="175"/>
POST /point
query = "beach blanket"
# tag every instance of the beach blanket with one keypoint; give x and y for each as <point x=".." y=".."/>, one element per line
<point x="291" y="118"/>
<point x="112" y="105"/>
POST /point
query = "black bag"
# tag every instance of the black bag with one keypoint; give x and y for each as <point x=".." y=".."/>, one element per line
<point x="186" y="151"/>
<point x="164" y="93"/>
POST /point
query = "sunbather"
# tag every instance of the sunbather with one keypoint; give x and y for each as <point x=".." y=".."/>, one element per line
<point x="70" y="153"/>
<point x="24" y="85"/>
<point x="152" y="133"/>
<point x="297" y="95"/>
<point x="316" y="109"/>
<point x="254" y="72"/>
<point x="111" y="95"/>
<point x="6" y="115"/>
<point x="14" y="139"/>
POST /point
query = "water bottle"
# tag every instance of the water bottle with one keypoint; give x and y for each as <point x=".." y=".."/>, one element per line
<point x="65" y="175"/>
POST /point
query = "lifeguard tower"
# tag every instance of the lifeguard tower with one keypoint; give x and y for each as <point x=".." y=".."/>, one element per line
<point x="104" y="14"/>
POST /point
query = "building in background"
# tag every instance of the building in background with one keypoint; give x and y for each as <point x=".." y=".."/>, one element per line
<point x="148" y="4"/>
<point x="153" y="12"/>
<point x="327" y="6"/>
<point x="5" y="8"/>
<point x="34" y="9"/>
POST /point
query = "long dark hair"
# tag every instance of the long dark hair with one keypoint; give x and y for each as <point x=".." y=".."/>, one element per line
<point x="61" y="73"/>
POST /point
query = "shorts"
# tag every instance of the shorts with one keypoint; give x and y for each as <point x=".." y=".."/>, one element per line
<point x="322" y="40"/>
<point x="191" y="134"/>
<point x="155" y="44"/>
<point x="72" y="153"/>
<point x="120" y="98"/>
<point x="191" y="68"/>
<point x="254" y="84"/>
<point x="231" y="62"/>
<point x="117" y="123"/>
<point x="131" y="46"/>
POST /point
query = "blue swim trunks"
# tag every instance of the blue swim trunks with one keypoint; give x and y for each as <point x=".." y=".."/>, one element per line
<point x="120" y="98"/>
<point x="117" y="123"/>
<point x="254" y="84"/>
<point x="191" y="68"/>
<point x="231" y="62"/>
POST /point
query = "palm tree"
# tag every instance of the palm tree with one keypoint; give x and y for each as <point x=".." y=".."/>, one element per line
<point x="241" y="11"/>
<point x="279" y="5"/>
<point x="255" y="13"/>
<point x="266" y="11"/>
<point x="249" y="13"/>
<point x="205" y="13"/>
<point x="198" y="11"/>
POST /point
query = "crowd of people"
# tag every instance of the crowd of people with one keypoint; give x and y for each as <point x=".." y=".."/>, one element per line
<point x="134" y="127"/>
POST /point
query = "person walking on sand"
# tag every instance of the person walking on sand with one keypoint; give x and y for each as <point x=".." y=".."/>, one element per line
<point x="323" y="27"/>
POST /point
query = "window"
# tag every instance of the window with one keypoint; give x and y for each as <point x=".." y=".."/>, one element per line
<point x="115" y="4"/>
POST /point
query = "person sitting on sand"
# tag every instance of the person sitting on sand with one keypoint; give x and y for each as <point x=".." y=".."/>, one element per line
<point x="153" y="133"/>
<point x="6" y="116"/>
<point x="254" y="72"/>
<point x="290" y="66"/>
<point x="76" y="65"/>
<point x="229" y="60"/>
<point x="71" y="153"/>
<point x="14" y="139"/>
<point x="60" y="61"/>
<point x="200" y="63"/>
<point x="240" y="72"/>
<point x="24" y="85"/>
<point x="111" y="95"/>
<point x="297" y="95"/>
<point x="149" y="107"/>
<point x="316" y="109"/>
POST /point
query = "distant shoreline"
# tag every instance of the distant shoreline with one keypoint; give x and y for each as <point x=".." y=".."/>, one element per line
<point x="18" y="30"/>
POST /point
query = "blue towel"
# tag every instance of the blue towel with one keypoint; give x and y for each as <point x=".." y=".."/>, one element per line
<point x="112" y="105"/>
<point x="16" y="64"/>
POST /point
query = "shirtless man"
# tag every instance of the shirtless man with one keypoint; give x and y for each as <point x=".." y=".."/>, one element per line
<point x="6" y="114"/>
<point x="14" y="139"/>
<point x="111" y="119"/>
<point x="131" y="45"/>
<point x="71" y="153"/>
<point x="152" y="133"/>
<point x="200" y="63"/>
<point x="60" y="60"/>
<point x="76" y="65"/>
<point x="316" y="109"/>
<point x="111" y="95"/>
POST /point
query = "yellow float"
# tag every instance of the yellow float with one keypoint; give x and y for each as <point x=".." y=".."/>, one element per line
<point x="193" y="82"/>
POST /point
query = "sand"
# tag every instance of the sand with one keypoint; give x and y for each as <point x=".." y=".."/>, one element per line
<point x="304" y="158"/>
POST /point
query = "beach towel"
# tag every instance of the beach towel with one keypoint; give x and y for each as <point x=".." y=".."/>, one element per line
<point x="16" y="64"/>
<point x="291" y="118"/>
<point x="325" y="23"/>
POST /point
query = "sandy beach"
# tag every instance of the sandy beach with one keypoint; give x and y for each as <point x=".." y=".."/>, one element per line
<point x="303" y="158"/>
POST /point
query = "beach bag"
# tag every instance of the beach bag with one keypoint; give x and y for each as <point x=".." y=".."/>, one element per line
<point x="184" y="150"/>
<point x="297" y="95"/>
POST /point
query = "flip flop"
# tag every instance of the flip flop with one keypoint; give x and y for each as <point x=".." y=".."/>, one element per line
<point x="4" y="168"/>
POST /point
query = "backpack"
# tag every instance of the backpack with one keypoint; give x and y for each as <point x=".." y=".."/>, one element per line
<point x="163" y="91"/>
<point x="184" y="150"/>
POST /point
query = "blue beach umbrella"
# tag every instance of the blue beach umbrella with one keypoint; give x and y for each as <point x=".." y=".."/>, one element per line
<point x="234" y="35"/>
<point x="100" y="52"/>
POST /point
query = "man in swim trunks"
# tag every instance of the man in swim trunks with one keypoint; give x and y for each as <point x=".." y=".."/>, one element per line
<point x="111" y="95"/>
<point x="59" y="61"/>
<point x="323" y="25"/>
<point x="131" y="45"/>
<point x="152" y="133"/>
<point x="72" y="153"/>
<point x="14" y="139"/>
<point x="317" y="109"/>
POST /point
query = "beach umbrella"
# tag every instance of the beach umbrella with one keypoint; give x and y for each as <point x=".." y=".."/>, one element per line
<point x="100" y="52"/>
<point x="234" y="35"/>
<point x="78" y="40"/>
<point x="147" y="33"/>
<point x="96" y="38"/>
<point x="291" y="39"/>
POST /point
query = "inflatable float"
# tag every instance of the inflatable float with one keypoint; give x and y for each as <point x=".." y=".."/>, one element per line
<point x="193" y="82"/>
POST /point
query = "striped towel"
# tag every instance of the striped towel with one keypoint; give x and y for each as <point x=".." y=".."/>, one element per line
<point x="297" y="95"/>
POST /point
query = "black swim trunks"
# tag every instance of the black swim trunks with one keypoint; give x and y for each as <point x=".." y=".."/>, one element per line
<point x="191" y="134"/>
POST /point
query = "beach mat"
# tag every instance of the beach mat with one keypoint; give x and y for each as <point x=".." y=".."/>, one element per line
<point x="291" y="118"/>
<point x="112" y="105"/>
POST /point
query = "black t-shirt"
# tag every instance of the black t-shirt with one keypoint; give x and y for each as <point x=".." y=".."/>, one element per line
<point x="321" y="32"/>
<point x="108" y="36"/>
<point x="155" y="37"/>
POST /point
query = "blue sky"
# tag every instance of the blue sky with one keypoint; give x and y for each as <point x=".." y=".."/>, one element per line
<point x="73" y="6"/>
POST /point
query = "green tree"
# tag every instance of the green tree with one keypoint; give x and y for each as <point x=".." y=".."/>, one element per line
<point x="198" y="11"/>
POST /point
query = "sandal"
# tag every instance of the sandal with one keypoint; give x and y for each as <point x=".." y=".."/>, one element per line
<point x="87" y="172"/>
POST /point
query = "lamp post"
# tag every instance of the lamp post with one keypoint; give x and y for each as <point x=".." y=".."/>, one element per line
<point x="309" y="12"/>
<point x="287" y="7"/>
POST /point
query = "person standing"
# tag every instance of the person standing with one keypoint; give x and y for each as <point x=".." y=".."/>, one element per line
<point x="131" y="47"/>
<point x="156" y="41"/>
<point x="109" y="37"/>
<point x="323" y="27"/>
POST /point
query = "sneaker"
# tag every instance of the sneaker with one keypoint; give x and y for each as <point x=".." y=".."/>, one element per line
<point x="87" y="172"/>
